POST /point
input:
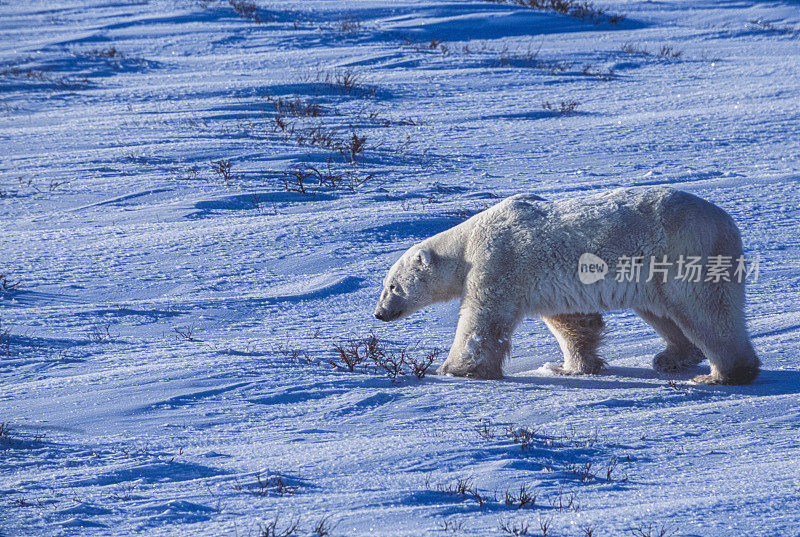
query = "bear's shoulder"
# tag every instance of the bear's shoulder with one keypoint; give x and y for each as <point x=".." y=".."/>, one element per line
<point x="643" y="200"/>
<point x="523" y="202"/>
<point x="640" y="199"/>
<point x="525" y="197"/>
<point x="520" y="206"/>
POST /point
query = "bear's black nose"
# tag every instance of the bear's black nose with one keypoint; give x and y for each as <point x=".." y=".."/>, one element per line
<point x="379" y="316"/>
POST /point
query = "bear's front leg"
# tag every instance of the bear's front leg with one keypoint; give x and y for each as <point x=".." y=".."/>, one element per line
<point x="482" y="343"/>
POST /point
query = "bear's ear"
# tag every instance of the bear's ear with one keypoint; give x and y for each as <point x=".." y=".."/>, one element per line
<point x="424" y="257"/>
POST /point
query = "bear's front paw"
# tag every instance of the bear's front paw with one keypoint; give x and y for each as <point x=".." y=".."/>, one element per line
<point x="444" y="370"/>
<point x="470" y="370"/>
<point x="456" y="370"/>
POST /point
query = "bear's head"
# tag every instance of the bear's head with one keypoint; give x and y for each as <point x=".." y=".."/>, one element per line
<point x="412" y="283"/>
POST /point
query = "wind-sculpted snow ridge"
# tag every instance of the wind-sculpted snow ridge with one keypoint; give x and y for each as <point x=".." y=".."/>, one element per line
<point x="199" y="202"/>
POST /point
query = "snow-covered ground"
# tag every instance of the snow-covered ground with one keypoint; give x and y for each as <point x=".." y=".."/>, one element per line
<point x="164" y="362"/>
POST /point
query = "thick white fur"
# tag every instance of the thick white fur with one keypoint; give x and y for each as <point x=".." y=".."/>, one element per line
<point x="520" y="258"/>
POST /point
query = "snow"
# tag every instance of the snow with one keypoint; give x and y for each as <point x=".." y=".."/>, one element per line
<point x="167" y="369"/>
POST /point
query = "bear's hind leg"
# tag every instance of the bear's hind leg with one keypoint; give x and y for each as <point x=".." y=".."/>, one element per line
<point x="680" y="354"/>
<point x="723" y="338"/>
<point x="579" y="335"/>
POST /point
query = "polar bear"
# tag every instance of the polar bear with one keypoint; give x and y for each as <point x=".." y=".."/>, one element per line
<point x="521" y="258"/>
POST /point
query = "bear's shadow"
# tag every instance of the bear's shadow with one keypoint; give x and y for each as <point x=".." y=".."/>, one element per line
<point x="768" y="383"/>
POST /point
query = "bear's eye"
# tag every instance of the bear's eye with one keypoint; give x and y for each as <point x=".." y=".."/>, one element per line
<point x="392" y="287"/>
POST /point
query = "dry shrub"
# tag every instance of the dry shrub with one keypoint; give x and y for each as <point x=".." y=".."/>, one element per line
<point x="372" y="354"/>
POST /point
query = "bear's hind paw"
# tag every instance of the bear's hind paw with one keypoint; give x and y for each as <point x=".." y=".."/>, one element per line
<point x="560" y="369"/>
<point x="671" y="361"/>
<point x="736" y="377"/>
<point x="708" y="379"/>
